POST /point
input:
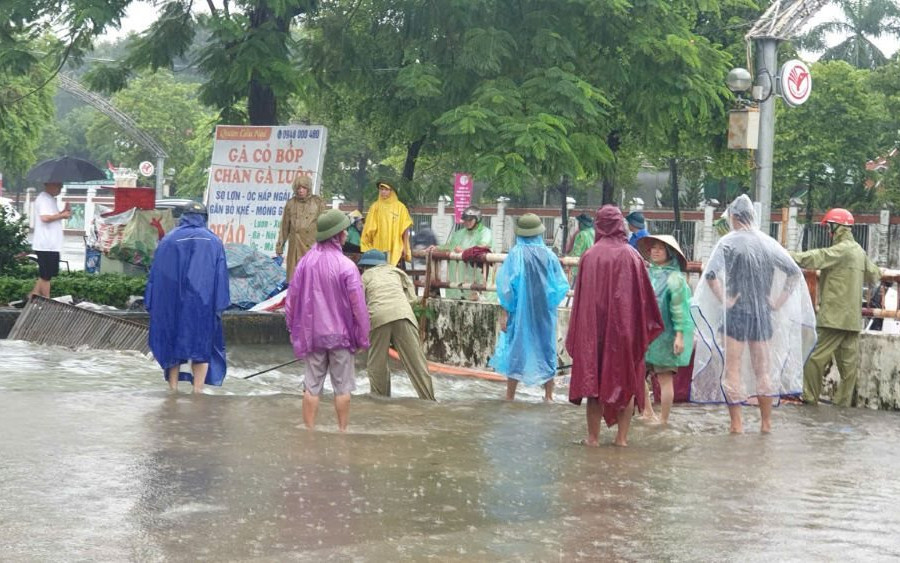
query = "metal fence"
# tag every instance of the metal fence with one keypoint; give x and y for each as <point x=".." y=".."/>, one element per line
<point x="685" y="236"/>
<point x="818" y="236"/>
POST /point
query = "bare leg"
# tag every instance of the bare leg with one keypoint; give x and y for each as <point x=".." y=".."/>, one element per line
<point x="511" y="385"/>
<point x="594" y="414"/>
<point x="734" y="391"/>
<point x="759" y="357"/>
<point x="667" y="394"/>
<point x="737" y="426"/>
<point x="199" y="371"/>
<point x="648" y="414"/>
<point x="310" y="406"/>
<point x="173" y="378"/>
<point x="765" y="414"/>
<point x="623" y="423"/>
<point x="548" y="390"/>
<point x="342" y="408"/>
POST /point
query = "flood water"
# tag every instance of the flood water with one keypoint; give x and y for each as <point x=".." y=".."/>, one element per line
<point x="98" y="462"/>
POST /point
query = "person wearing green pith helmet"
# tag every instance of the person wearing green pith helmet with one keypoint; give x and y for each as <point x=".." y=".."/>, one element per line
<point x="530" y="287"/>
<point x="389" y="295"/>
<point x="843" y="267"/>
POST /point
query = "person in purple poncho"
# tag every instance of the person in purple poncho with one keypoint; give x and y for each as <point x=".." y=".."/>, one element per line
<point x="327" y="317"/>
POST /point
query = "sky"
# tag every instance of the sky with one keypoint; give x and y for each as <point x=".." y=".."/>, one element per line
<point x="141" y="14"/>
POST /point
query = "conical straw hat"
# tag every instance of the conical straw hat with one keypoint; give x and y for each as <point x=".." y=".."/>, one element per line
<point x="645" y="242"/>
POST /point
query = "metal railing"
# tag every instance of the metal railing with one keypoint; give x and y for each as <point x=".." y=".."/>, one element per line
<point x="431" y="282"/>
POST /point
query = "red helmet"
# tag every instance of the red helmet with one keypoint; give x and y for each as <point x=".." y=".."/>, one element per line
<point x="839" y="216"/>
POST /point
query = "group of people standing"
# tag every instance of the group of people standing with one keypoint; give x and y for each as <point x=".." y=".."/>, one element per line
<point x="750" y="317"/>
<point x="634" y="315"/>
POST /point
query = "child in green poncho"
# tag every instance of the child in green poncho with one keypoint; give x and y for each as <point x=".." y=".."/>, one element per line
<point x="671" y="349"/>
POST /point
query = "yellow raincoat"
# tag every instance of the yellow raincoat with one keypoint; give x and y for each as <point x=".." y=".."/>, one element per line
<point x="386" y="222"/>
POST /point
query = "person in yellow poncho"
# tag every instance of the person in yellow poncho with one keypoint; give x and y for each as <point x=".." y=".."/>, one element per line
<point x="387" y="226"/>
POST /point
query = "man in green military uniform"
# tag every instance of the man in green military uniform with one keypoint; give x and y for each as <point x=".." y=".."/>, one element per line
<point x="843" y="266"/>
<point x="389" y="293"/>
<point x="473" y="233"/>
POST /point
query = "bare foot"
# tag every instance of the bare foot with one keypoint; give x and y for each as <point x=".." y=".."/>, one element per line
<point x="620" y="443"/>
<point x="736" y="429"/>
<point x="589" y="443"/>
<point x="548" y="399"/>
<point x="765" y="427"/>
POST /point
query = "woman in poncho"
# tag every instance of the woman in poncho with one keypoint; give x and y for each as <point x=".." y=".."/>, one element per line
<point x="671" y="349"/>
<point x="614" y="319"/>
<point x="387" y="226"/>
<point x="755" y="321"/>
<point x="530" y="286"/>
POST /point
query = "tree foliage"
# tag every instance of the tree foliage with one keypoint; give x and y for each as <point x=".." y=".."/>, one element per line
<point x="168" y="111"/>
<point x="863" y="21"/>
<point x="26" y="109"/>
<point x="822" y="146"/>
<point x="246" y="50"/>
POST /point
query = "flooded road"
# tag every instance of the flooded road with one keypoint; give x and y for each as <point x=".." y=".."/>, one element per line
<point x="99" y="462"/>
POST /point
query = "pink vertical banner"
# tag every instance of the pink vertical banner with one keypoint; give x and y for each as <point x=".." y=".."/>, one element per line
<point x="462" y="194"/>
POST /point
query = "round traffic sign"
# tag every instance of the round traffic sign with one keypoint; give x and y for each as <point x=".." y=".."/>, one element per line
<point x="146" y="168"/>
<point x="796" y="82"/>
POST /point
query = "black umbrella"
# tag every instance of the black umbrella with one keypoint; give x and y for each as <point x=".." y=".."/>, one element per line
<point x="62" y="170"/>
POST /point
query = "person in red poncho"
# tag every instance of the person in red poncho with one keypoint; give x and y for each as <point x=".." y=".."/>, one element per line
<point x="614" y="318"/>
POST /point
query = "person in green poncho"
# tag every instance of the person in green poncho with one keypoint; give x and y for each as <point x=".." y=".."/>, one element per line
<point x="473" y="233"/>
<point x="354" y="232"/>
<point x="671" y="349"/>
<point x="583" y="240"/>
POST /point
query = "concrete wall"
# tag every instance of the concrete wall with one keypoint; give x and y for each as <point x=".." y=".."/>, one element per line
<point x="464" y="334"/>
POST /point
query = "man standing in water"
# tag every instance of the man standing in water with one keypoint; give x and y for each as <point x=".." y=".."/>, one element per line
<point x="843" y="267"/>
<point x="187" y="290"/>
<point x="326" y="314"/>
<point x="614" y="319"/>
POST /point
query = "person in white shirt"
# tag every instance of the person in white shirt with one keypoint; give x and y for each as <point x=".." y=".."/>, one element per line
<point x="47" y="241"/>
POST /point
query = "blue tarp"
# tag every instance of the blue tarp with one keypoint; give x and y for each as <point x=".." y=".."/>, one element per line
<point x="187" y="290"/>
<point x="253" y="277"/>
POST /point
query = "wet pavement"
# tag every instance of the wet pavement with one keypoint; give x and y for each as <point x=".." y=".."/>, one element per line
<point x="99" y="462"/>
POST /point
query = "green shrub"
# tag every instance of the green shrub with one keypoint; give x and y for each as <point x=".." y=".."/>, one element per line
<point x="103" y="289"/>
<point x="13" y="243"/>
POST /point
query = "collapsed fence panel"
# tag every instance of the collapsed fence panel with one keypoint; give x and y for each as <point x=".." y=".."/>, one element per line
<point x="45" y="321"/>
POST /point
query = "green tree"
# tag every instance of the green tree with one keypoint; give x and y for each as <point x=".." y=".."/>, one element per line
<point x="246" y="53"/>
<point x="168" y="111"/>
<point x="822" y="146"/>
<point x="863" y="21"/>
<point x="26" y="108"/>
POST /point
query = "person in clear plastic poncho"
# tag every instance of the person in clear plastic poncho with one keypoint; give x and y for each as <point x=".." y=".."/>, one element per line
<point x="530" y="286"/>
<point x="755" y="321"/>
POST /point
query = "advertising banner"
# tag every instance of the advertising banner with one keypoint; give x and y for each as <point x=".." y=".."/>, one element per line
<point x="250" y="179"/>
<point x="462" y="194"/>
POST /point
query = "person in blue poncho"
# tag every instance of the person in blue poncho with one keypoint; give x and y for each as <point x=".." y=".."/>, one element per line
<point x="530" y="286"/>
<point x="187" y="290"/>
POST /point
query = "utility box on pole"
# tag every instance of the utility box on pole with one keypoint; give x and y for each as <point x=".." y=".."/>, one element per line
<point x="743" y="128"/>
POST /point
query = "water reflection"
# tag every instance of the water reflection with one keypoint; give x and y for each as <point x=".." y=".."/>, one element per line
<point x="98" y="461"/>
